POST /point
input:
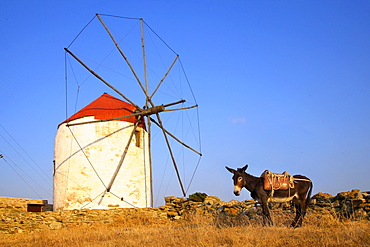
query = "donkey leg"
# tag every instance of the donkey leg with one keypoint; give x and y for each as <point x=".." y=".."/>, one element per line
<point x="266" y="214"/>
<point x="303" y="211"/>
<point x="297" y="222"/>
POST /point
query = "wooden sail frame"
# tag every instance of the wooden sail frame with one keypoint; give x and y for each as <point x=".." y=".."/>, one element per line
<point x="149" y="109"/>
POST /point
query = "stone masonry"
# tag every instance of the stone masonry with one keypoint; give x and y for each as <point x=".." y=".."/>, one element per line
<point x="10" y="204"/>
<point x="14" y="217"/>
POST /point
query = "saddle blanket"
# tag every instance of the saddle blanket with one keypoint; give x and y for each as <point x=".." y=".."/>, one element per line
<point x="273" y="181"/>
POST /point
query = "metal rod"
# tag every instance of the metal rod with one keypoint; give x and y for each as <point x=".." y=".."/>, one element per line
<point x="100" y="78"/>
<point x="121" y="52"/>
<point x="164" y="77"/>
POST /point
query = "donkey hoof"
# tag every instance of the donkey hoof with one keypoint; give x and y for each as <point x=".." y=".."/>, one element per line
<point x="294" y="225"/>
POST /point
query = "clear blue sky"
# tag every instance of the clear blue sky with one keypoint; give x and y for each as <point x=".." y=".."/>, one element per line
<point x="282" y="85"/>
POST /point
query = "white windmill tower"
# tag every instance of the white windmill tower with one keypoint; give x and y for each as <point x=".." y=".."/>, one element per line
<point x="103" y="152"/>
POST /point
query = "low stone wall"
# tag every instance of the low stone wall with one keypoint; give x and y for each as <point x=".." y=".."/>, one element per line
<point x="10" y="204"/>
<point x="354" y="205"/>
<point x="19" y="222"/>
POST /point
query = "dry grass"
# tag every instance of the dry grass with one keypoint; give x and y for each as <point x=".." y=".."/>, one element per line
<point x="198" y="230"/>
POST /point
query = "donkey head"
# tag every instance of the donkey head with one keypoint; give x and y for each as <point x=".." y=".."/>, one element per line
<point x="238" y="178"/>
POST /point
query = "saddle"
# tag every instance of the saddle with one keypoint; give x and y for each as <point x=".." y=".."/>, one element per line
<point x="273" y="181"/>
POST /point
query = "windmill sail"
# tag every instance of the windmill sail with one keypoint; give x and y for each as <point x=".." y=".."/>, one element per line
<point x="152" y="84"/>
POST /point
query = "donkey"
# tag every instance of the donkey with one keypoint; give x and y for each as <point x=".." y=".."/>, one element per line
<point x="300" y="193"/>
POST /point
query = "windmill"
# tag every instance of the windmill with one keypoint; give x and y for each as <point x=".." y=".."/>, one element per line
<point x="131" y="121"/>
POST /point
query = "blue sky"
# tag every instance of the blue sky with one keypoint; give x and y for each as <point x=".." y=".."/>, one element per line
<point x="281" y="85"/>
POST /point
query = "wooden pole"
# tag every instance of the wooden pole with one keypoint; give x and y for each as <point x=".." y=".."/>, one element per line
<point x="144" y="58"/>
<point x="150" y="160"/>
<point x="100" y="78"/>
<point x="172" y="157"/>
<point x="147" y="98"/>
<point x="121" y="52"/>
<point x="164" y="77"/>
<point x="174" y="137"/>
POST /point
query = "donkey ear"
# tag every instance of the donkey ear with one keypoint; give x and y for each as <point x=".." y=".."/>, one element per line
<point x="244" y="168"/>
<point x="230" y="169"/>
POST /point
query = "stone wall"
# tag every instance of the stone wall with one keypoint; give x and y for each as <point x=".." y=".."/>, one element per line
<point x="354" y="205"/>
<point x="10" y="204"/>
<point x="19" y="222"/>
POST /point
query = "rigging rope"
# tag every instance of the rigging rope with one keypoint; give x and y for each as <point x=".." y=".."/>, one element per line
<point x="24" y="158"/>
<point x="192" y="177"/>
<point x="87" y="158"/>
<point x="160" y="38"/>
<point x="187" y="80"/>
<point x="122" y="17"/>
<point x="21" y="177"/>
<point x="81" y="31"/>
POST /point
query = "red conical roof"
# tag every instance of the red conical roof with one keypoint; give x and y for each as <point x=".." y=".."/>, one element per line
<point x="107" y="107"/>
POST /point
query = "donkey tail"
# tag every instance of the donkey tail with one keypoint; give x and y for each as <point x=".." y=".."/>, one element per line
<point x="308" y="199"/>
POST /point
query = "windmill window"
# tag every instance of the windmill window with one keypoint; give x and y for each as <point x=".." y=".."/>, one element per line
<point x="138" y="138"/>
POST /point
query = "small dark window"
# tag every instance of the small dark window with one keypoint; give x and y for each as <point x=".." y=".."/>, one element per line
<point x="138" y="138"/>
<point x="34" y="208"/>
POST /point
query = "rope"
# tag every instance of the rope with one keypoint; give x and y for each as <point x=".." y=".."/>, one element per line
<point x="81" y="31"/>
<point x="87" y="158"/>
<point x="123" y="200"/>
<point x="160" y="38"/>
<point x="69" y="179"/>
<point x="42" y="187"/>
<point x="48" y="182"/>
<point x="92" y="200"/>
<point x="21" y="177"/>
<point x="192" y="177"/>
<point x="66" y="81"/>
<point x="187" y="80"/>
<point x="122" y="17"/>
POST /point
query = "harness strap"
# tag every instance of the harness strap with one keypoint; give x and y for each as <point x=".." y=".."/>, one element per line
<point x="302" y="179"/>
<point x="272" y="175"/>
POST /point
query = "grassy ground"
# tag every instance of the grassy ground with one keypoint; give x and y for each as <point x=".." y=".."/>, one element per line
<point x="198" y="230"/>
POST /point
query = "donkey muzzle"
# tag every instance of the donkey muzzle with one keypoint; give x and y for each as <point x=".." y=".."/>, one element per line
<point x="236" y="190"/>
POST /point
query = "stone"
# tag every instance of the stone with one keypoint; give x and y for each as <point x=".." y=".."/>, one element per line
<point x="212" y="200"/>
<point x="172" y="214"/>
<point x="56" y="226"/>
<point x="232" y="203"/>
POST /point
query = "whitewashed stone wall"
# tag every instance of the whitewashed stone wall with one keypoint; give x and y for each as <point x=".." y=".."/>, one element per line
<point x="81" y="176"/>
